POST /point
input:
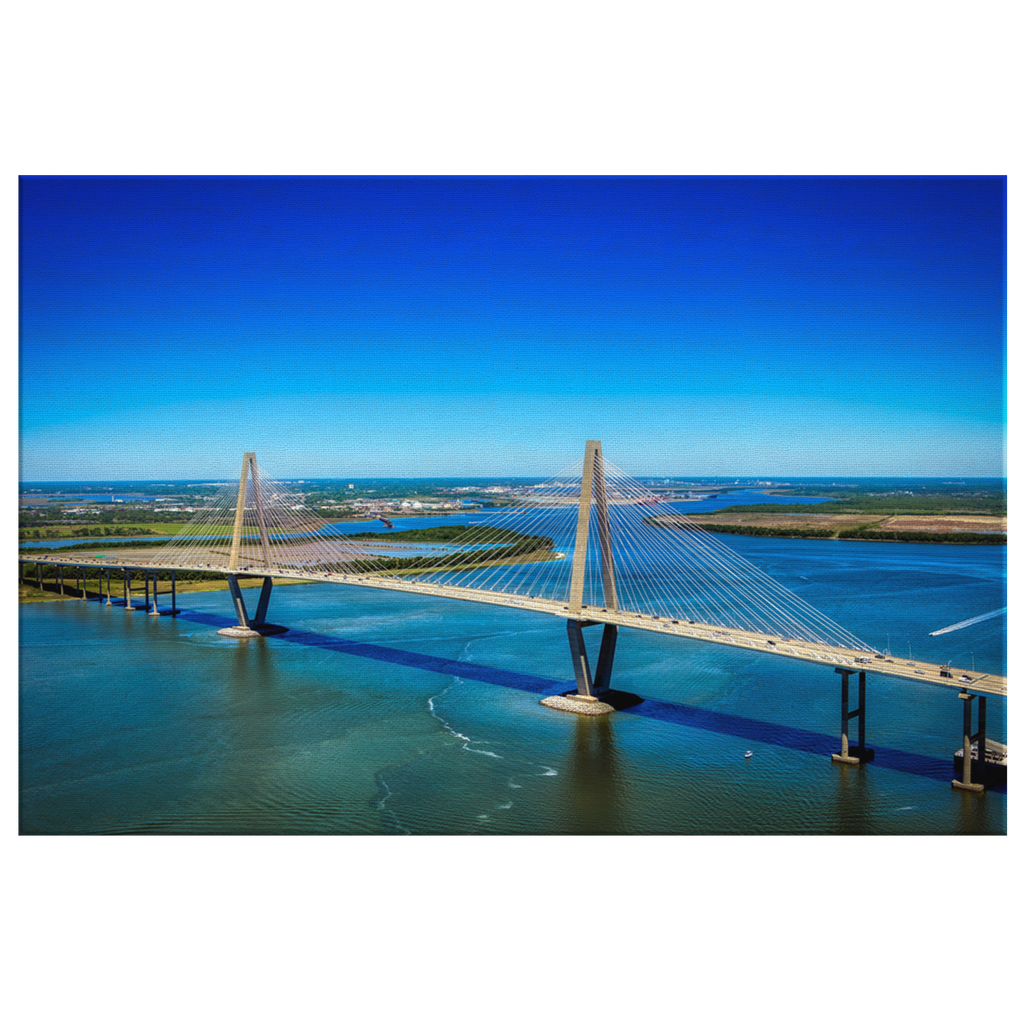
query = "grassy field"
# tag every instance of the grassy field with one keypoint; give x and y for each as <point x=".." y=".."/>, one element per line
<point x="840" y="521"/>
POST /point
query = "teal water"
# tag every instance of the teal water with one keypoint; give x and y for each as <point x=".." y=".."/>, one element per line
<point x="397" y="713"/>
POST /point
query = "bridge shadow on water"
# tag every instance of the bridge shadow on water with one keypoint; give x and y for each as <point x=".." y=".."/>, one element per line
<point x="705" y="719"/>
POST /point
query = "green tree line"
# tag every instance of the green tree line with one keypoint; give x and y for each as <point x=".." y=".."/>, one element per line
<point x="906" y="536"/>
<point x="117" y="515"/>
<point x="85" y="546"/>
<point x="38" y="533"/>
<point x="765" y="531"/>
<point x="923" y="537"/>
<point x="48" y="574"/>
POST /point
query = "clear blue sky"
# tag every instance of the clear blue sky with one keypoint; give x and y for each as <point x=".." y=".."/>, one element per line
<point x="485" y="326"/>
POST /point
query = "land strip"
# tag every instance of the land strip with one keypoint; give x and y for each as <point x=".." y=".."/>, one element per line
<point x="933" y="528"/>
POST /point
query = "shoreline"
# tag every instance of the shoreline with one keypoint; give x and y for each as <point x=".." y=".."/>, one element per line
<point x="998" y="539"/>
<point x="948" y="528"/>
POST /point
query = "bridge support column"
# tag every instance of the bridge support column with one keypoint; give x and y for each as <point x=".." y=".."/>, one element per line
<point x="60" y="579"/>
<point x="81" y="586"/>
<point x="859" y="754"/>
<point x="588" y="686"/>
<point x="110" y="599"/>
<point x="594" y="695"/>
<point x="127" y="590"/>
<point x="153" y="609"/>
<point x="264" y="602"/>
<point x="238" y="601"/>
<point x="977" y="784"/>
<point x="247" y="627"/>
<point x="174" y="602"/>
<point x="39" y="576"/>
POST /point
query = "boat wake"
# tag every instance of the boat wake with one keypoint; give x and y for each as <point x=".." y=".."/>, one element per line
<point x="969" y="622"/>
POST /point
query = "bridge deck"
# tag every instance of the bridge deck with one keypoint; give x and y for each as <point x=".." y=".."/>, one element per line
<point x="840" y="657"/>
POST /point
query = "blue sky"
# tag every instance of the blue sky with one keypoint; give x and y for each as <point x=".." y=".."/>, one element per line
<point x="484" y="326"/>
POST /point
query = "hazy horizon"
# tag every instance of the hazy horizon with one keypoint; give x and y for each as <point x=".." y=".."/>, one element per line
<point x="752" y="479"/>
<point x="484" y="326"/>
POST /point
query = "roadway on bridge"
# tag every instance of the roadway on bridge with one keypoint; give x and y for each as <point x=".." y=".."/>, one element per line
<point x="801" y="650"/>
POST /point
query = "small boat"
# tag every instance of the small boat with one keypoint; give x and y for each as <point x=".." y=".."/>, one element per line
<point x="749" y="753"/>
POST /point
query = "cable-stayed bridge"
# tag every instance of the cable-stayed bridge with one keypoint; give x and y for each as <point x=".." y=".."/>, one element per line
<point x="587" y="546"/>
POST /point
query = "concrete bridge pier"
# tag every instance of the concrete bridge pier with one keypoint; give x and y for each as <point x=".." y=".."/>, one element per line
<point x="238" y="601"/>
<point x="110" y="599"/>
<point x="965" y="782"/>
<point x="594" y="694"/>
<point x="860" y="754"/>
<point x="145" y="605"/>
<point x="587" y="686"/>
<point x="258" y="625"/>
<point x="153" y="606"/>
<point x="85" y="585"/>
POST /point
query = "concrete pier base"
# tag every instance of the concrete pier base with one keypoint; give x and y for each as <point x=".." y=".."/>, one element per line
<point x="970" y="787"/>
<point x="601" y="704"/>
<point x="251" y="631"/>
<point x="248" y="628"/>
<point x="855" y="755"/>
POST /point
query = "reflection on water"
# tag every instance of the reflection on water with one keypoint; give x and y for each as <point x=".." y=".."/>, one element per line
<point x="593" y="789"/>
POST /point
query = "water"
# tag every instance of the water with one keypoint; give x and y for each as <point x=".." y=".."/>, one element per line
<point x="398" y="713"/>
